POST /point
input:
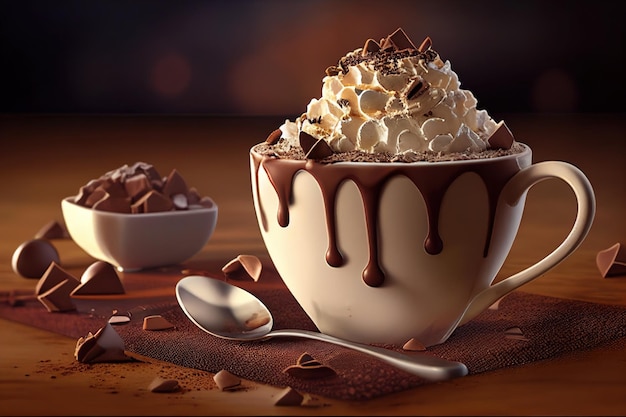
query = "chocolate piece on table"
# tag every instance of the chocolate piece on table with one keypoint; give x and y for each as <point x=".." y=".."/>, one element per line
<point x="52" y="230"/>
<point x="289" y="397"/>
<point x="57" y="298"/>
<point x="309" y="368"/>
<point x="53" y="276"/>
<point x="156" y="322"/>
<point x="414" y="345"/>
<point x="226" y="380"/>
<point x="104" y="346"/>
<point x="99" y="278"/>
<point x="159" y="384"/>
<point x="33" y="257"/>
<point x="118" y="319"/>
<point x="249" y="263"/>
<point x="611" y="261"/>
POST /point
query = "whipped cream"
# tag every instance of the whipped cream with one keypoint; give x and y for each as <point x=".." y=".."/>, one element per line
<point x="393" y="97"/>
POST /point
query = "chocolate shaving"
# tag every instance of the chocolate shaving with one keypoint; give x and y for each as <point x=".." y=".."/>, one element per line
<point x="425" y="45"/>
<point x="274" y="137"/>
<point x="392" y="49"/>
<point x="370" y="46"/>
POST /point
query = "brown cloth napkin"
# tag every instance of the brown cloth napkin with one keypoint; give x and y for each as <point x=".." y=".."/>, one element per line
<point x="525" y="328"/>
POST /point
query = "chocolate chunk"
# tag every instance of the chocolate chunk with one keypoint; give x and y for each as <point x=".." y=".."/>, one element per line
<point x="52" y="230"/>
<point x="226" y="381"/>
<point x="137" y="186"/>
<point x="152" y="202"/>
<point x="289" y="397"/>
<point x="611" y="262"/>
<point x="248" y="263"/>
<point x="502" y="138"/>
<point x="309" y="368"/>
<point x="99" y="278"/>
<point x="32" y="258"/>
<point x="159" y="384"/>
<point x="306" y="141"/>
<point x="58" y="298"/>
<point x="114" y="188"/>
<point x="174" y="184"/>
<point x="118" y="319"/>
<point x="113" y="204"/>
<point x="399" y="40"/>
<point x="414" y="345"/>
<point x="104" y="346"/>
<point x="52" y="276"/>
<point x="314" y="148"/>
<point x="98" y="194"/>
<point x="156" y="322"/>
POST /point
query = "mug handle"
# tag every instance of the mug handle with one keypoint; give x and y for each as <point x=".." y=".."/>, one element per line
<point x="513" y="191"/>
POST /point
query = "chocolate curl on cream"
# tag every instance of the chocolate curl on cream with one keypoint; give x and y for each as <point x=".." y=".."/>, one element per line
<point x="425" y="45"/>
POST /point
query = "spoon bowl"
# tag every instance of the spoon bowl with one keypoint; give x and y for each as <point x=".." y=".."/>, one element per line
<point x="230" y="312"/>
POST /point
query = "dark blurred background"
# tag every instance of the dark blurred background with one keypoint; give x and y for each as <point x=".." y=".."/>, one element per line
<point x="268" y="57"/>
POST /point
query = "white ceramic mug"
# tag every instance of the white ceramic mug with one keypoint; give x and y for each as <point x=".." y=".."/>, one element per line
<point x="386" y="252"/>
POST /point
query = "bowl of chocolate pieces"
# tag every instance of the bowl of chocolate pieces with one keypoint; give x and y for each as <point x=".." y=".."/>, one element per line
<point x="134" y="218"/>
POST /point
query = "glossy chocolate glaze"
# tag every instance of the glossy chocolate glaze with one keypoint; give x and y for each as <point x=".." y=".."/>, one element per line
<point x="432" y="179"/>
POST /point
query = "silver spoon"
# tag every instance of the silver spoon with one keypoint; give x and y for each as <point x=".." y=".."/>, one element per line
<point x="230" y="312"/>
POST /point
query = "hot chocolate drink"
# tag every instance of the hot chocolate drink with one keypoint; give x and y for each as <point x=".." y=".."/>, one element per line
<point x="389" y="206"/>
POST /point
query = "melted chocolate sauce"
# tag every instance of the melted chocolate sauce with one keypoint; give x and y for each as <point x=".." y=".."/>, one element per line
<point x="431" y="179"/>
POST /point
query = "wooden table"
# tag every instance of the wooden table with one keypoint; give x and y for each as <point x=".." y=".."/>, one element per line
<point x="44" y="158"/>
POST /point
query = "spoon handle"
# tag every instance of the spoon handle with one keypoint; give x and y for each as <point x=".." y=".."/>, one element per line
<point x="425" y="366"/>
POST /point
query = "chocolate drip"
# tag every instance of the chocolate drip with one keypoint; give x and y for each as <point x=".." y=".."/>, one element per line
<point x="431" y="179"/>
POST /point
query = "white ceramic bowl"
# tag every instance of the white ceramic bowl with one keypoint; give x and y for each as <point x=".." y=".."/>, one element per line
<point x="133" y="242"/>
